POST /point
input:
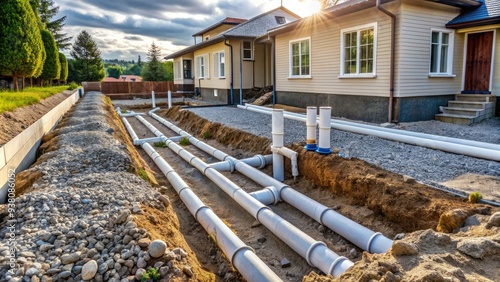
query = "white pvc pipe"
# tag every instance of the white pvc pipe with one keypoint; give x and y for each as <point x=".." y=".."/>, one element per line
<point x="367" y="239"/>
<point x="169" y="99"/>
<point x="258" y="161"/>
<point x="311" y="129"/>
<point x="153" y="101"/>
<point x="278" y="133"/>
<point x="325" y="114"/>
<point x="292" y="155"/>
<point x="471" y="148"/>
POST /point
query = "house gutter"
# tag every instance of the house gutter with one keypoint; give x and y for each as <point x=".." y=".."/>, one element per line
<point x="273" y="58"/>
<point x="393" y="54"/>
<point x="231" y="72"/>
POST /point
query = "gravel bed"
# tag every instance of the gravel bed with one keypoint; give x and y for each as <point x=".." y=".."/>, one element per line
<point x="425" y="165"/>
<point x="76" y="224"/>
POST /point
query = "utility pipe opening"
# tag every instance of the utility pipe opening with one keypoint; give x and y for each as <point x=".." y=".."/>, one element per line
<point x="311" y="129"/>
<point x="325" y="114"/>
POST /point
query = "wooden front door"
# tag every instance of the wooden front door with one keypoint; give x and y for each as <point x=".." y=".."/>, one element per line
<point x="478" y="63"/>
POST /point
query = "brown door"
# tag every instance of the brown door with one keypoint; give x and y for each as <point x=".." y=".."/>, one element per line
<point x="478" y="63"/>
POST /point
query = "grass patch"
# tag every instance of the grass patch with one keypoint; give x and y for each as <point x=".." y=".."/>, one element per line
<point x="475" y="197"/>
<point x="143" y="174"/>
<point x="207" y="135"/>
<point x="151" y="274"/>
<point x="184" y="141"/>
<point x="160" y="144"/>
<point x="10" y="100"/>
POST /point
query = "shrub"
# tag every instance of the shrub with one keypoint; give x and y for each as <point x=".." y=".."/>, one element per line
<point x="143" y="174"/>
<point x="184" y="141"/>
<point x="151" y="274"/>
<point x="160" y="144"/>
<point x="207" y="135"/>
<point x="72" y="86"/>
<point x="475" y="197"/>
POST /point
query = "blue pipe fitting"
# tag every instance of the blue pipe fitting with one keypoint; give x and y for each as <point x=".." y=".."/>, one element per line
<point x="324" y="151"/>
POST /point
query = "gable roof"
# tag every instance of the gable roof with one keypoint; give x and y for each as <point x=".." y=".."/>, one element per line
<point x="228" y="21"/>
<point x="487" y="13"/>
<point x="253" y="28"/>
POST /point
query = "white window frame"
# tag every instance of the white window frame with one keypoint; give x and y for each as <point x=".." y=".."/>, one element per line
<point x="243" y="50"/>
<point x="203" y="67"/>
<point x="178" y="73"/>
<point x="290" y="56"/>
<point x="358" y="29"/>
<point x="218" y="63"/>
<point x="449" y="66"/>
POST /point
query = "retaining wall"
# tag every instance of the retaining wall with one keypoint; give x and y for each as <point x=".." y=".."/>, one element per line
<point x="20" y="152"/>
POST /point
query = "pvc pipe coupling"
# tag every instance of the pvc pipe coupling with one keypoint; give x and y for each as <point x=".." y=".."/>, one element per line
<point x="325" y="114"/>
<point x="311" y="124"/>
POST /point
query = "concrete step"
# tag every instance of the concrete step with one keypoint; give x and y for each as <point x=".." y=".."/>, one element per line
<point x="471" y="105"/>
<point x="457" y="119"/>
<point x="462" y="111"/>
<point x="475" y="98"/>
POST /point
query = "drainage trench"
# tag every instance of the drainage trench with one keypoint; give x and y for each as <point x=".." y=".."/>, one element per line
<point x="273" y="250"/>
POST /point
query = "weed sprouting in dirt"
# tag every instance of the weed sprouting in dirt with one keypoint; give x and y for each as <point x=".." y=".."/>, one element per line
<point x="151" y="274"/>
<point x="207" y="135"/>
<point x="143" y="174"/>
<point x="475" y="197"/>
<point x="184" y="141"/>
<point x="160" y="144"/>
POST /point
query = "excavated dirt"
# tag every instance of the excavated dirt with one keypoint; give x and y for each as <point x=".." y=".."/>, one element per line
<point x="14" y="122"/>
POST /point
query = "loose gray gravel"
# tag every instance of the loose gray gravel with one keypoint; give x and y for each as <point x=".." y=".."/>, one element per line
<point x="425" y="165"/>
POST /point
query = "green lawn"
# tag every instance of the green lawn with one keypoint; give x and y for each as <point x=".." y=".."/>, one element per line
<point x="31" y="95"/>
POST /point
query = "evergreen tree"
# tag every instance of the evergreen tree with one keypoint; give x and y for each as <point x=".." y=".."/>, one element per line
<point x="114" y="71"/>
<point x="72" y="75"/>
<point x="154" y="70"/>
<point x="51" y="66"/>
<point x="87" y="64"/>
<point x="47" y="11"/>
<point x="20" y="40"/>
<point x="64" y="67"/>
<point x="139" y="63"/>
<point x="169" y="68"/>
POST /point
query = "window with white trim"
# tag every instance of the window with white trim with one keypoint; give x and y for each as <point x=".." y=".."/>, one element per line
<point x="300" y="57"/>
<point x="247" y="50"/>
<point x="219" y="64"/>
<point x="177" y="69"/>
<point x="359" y="46"/>
<point x="441" y="52"/>
<point x="202" y="68"/>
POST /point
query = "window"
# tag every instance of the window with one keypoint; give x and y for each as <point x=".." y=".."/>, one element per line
<point x="247" y="50"/>
<point x="202" y="68"/>
<point x="177" y="69"/>
<point x="441" y="52"/>
<point x="207" y="37"/>
<point x="280" y="19"/>
<point x="187" y="69"/>
<point x="358" y="51"/>
<point x="219" y="64"/>
<point x="300" y="58"/>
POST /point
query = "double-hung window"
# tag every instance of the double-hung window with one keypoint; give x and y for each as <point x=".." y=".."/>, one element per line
<point x="441" y="52"/>
<point x="247" y="50"/>
<point x="359" y="47"/>
<point x="202" y="68"/>
<point x="219" y="64"/>
<point x="300" y="58"/>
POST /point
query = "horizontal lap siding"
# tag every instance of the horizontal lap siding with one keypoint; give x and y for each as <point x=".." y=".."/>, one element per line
<point x="414" y="51"/>
<point x="496" y="69"/>
<point x="325" y="57"/>
<point x="213" y="82"/>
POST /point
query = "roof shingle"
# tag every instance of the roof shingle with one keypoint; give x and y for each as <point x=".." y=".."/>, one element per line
<point x="490" y="9"/>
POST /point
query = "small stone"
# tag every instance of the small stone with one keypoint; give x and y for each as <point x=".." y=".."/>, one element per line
<point x="65" y="274"/>
<point x="45" y="247"/>
<point x="127" y="254"/>
<point x="157" y="248"/>
<point x="122" y="217"/>
<point x="165" y="200"/>
<point x="399" y="236"/>
<point x="180" y="252"/>
<point x="89" y="270"/>
<point x="141" y="263"/>
<point x="103" y="268"/>
<point x="99" y="246"/>
<point x="402" y="248"/>
<point x="138" y="274"/>
<point x="126" y="239"/>
<point x="353" y="253"/>
<point x="261" y="239"/>
<point x="494" y="221"/>
<point x="70" y="258"/>
<point x="28" y="255"/>
<point x="478" y="247"/>
<point x="285" y="263"/>
<point x="129" y="263"/>
<point x="164" y="271"/>
<point x="144" y="242"/>
<point x="408" y="179"/>
<point x="188" y="271"/>
<point x="32" y="271"/>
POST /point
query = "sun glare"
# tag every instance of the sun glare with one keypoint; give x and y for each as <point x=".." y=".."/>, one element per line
<point x="309" y="7"/>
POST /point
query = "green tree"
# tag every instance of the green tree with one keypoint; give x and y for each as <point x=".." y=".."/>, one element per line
<point x="139" y="63"/>
<point x="47" y="11"/>
<point x="88" y="64"/>
<point x="114" y="71"/>
<point x="135" y="70"/>
<point x="169" y="68"/>
<point x="72" y="75"/>
<point x="20" y="40"/>
<point x="51" y="66"/>
<point x="154" y="70"/>
<point x="64" y="67"/>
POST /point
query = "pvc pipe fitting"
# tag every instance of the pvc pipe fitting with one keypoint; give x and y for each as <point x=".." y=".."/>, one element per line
<point x="278" y="132"/>
<point x="153" y="101"/>
<point x="169" y="99"/>
<point x="269" y="195"/>
<point x="311" y="129"/>
<point x="325" y="114"/>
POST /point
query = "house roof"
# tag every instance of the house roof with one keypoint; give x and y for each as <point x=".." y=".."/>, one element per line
<point x="128" y="78"/>
<point x="228" y="20"/>
<point x="252" y="28"/>
<point x="487" y="13"/>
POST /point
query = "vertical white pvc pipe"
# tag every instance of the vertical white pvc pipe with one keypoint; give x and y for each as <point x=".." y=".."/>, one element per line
<point x="278" y="121"/>
<point x="325" y="114"/>
<point x="169" y="99"/>
<point x="311" y="129"/>
<point x="153" y="101"/>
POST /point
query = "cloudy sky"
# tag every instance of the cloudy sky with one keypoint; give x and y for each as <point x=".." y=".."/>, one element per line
<point x="125" y="29"/>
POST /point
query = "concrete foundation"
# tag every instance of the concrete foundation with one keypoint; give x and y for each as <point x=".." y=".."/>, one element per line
<point x="367" y="108"/>
<point x="20" y="152"/>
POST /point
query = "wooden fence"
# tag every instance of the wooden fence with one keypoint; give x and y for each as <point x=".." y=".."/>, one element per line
<point x="137" y="87"/>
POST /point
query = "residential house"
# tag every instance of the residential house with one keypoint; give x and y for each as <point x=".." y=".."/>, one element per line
<point x="229" y="60"/>
<point x="390" y="60"/>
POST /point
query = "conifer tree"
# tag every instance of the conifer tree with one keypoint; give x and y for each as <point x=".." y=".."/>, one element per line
<point x="51" y="66"/>
<point x="87" y="63"/>
<point x="64" y="67"/>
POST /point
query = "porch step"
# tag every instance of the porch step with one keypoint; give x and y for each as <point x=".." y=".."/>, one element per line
<point x="461" y="111"/>
<point x="471" y="105"/>
<point x="468" y="109"/>
<point x="475" y="98"/>
<point x="457" y="119"/>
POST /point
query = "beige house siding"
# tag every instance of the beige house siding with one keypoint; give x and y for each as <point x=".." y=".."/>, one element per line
<point x="325" y="57"/>
<point x="416" y="23"/>
<point x="212" y="81"/>
<point x="496" y="69"/>
<point x="216" y="31"/>
<point x="179" y="72"/>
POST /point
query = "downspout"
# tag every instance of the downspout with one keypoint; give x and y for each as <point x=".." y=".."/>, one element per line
<point x="231" y="72"/>
<point x="241" y="72"/>
<point x="393" y="54"/>
<point x="273" y="59"/>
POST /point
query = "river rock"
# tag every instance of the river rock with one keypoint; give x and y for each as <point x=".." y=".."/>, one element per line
<point x="157" y="248"/>
<point x="70" y="258"/>
<point x="89" y="270"/>
<point x="494" y="221"/>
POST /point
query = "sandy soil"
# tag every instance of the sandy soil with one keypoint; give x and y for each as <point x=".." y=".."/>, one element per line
<point x="488" y="186"/>
<point x="14" y="122"/>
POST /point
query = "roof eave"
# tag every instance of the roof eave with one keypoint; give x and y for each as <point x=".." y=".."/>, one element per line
<point x="459" y="3"/>
<point x="493" y="20"/>
<point x="193" y="48"/>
